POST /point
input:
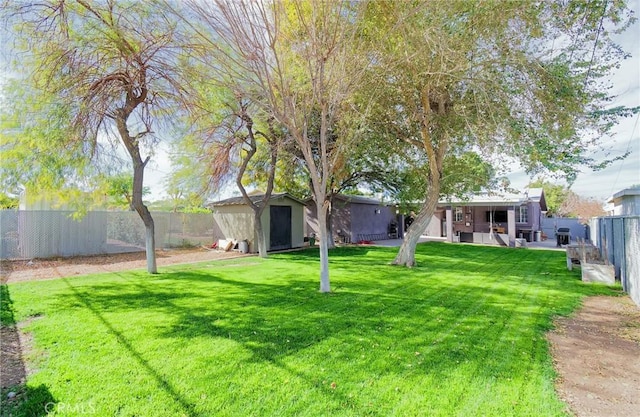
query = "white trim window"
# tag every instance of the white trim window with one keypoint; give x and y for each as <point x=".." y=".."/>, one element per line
<point x="523" y="214"/>
<point x="458" y="214"/>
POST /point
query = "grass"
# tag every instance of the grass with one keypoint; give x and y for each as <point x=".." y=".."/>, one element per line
<point x="462" y="334"/>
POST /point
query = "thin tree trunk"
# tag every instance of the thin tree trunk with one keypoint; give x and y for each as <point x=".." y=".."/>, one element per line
<point x="259" y="231"/>
<point x="324" y="246"/>
<point x="138" y="181"/>
<point x="145" y="215"/>
<point x="258" y="209"/>
<point x="330" y="243"/>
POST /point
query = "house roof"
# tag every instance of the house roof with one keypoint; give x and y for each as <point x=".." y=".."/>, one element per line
<point x="255" y="198"/>
<point x="501" y="199"/>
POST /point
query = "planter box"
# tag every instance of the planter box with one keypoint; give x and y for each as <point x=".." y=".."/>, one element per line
<point x="575" y="253"/>
<point x="598" y="273"/>
<point x="521" y="243"/>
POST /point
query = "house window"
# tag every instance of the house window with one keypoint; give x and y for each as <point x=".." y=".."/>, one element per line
<point x="458" y="215"/>
<point x="523" y="214"/>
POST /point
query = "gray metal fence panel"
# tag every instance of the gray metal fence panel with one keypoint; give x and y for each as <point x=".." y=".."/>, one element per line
<point x="606" y="238"/>
<point x="631" y="278"/>
<point x="617" y="245"/>
<point x="49" y="233"/>
<point x="9" y="234"/>
<point x="618" y="239"/>
<point x="185" y="229"/>
<point x="46" y="234"/>
<point x="549" y="225"/>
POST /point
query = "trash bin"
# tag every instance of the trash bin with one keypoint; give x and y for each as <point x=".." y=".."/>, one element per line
<point x="243" y="246"/>
<point x="538" y="236"/>
<point x="563" y="236"/>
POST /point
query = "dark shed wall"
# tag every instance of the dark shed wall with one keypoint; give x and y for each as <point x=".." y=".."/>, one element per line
<point x="340" y="219"/>
<point x="366" y="221"/>
<point x="310" y="219"/>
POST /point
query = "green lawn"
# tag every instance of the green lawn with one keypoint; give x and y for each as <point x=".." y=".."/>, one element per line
<point x="462" y="334"/>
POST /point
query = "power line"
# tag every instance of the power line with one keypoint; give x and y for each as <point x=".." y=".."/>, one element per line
<point x="635" y="124"/>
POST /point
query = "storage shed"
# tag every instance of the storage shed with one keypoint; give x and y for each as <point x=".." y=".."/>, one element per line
<point x="282" y="221"/>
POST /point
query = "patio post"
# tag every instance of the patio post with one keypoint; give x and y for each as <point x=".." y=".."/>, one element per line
<point x="449" y="217"/>
<point x="511" y="226"/>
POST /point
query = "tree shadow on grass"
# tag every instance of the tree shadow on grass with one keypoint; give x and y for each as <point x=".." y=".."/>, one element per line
<point x="17" y="398"/>
<point x="420" y="326"/>
<point x="28" y="401"/>
<point x="163" y="383"/>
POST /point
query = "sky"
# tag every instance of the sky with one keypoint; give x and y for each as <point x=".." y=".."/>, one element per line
<point x="599" y="185"/>
<point x="625" y="173"/>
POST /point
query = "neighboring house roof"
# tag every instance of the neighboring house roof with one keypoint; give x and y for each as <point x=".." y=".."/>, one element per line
<point x="256" y="198"/>
<point x="535" y="195"/>
<point x="623" y="193"/>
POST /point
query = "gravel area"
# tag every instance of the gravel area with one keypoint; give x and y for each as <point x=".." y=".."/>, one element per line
<point x="38" y="269"/>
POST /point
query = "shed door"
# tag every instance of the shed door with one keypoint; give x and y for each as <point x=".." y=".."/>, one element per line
<point x="280" y="227"/>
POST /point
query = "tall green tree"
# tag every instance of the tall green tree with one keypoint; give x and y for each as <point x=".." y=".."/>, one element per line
<point x="35" y="151"/>
<point x="523" y="80"/>
<point x="294" y="59"/>
<point x="111" y="66"/>
<point x="554" y="194"/>
<point x="564" y="202"/>
<point x="8" y="202"/>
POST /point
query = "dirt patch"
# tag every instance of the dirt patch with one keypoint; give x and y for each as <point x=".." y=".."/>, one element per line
<point x="596" y="353"/>
<point x="13" y="369"/>
<point x="38" y="269"/>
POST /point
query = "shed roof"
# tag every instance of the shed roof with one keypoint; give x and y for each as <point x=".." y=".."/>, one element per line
<point x="255" y="198"/>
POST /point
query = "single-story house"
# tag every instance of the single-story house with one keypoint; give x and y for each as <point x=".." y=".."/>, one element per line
<point x="497" y="219"/>
<point x="624" y="203"/>
<point x="356" y="218"/>
<point x="282" y="221"/>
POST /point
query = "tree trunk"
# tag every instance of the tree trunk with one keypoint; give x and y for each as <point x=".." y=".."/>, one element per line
<point x="436" y="151"/>
<point x="259" y="231"/>
<point x="407" y="253"/>
<point x="132" y="145"/>
<point x="145" y="215"/>
<point x="330" y="243"/>
<point x="150" y="243"/>
<point x="258" y="208"/>
<point x="323" y="237"/>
